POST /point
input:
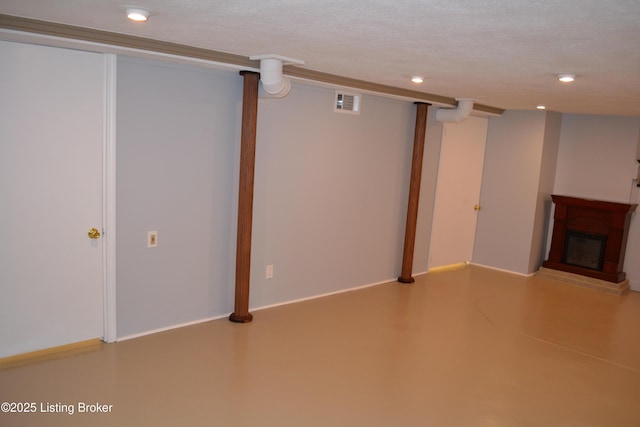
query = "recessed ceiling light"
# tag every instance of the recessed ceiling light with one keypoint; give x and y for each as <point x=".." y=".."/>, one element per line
<point x="566" y="78"/>
<point x="417" y="79"/>
<point x="137" y="14"/>
<point x="541" y="107"/>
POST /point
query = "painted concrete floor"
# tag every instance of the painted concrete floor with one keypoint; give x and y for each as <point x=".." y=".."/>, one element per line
<point x="465" y="347"/>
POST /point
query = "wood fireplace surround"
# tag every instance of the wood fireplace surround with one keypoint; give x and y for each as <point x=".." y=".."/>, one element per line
<point x="590" y="237"/>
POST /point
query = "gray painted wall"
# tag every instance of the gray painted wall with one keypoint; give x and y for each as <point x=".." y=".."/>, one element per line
<point x="510" y="190"/>
<point x="433" y="144"/>
<point x="531" y="155"/>
<point x="177" y="132"/>
<point x="543" y="212"/>
<point x="597" y="159"/>
<point x="329" y="202"/>
<point x="330" y="194"/>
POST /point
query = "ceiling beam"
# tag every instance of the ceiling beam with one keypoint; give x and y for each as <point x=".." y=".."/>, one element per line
<point x="414" y="95"/>
<point x="122" y="40"/>
<point x="53" y="29"/>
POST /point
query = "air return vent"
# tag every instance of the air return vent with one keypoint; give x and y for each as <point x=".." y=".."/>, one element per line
<point x="347" y="103"/>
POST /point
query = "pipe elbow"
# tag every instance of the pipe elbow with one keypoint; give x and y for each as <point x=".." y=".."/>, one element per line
<point x="273" y="81"/>
<point x="458" y="114"/>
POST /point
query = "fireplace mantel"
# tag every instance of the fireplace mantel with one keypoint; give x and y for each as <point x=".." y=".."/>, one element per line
<point x="590" y="223"/>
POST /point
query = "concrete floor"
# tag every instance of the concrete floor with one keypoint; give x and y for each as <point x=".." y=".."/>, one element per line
<point x="463" y="347"/>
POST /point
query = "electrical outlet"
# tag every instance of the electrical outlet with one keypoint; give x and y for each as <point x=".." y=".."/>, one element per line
<point x="269" y="271"/>
<point x="152" y="239"/>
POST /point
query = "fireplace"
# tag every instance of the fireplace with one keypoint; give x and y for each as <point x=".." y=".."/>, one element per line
<point x="584" y="249"/>
<point x="590" y="238"/>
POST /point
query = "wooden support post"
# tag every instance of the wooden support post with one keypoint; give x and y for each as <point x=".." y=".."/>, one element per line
<point x="414" y="192"/>
<point x="245" y="196"/>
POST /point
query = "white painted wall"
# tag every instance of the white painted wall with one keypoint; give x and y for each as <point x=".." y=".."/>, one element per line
<point x="433" y="145"/>
<point x="457" y="192"/>
<point x="598" y="159"/>
<point x="51" y="134"/>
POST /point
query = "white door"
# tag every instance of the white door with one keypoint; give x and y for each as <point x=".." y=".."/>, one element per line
<point x="457" y="192"/>
<point x="51" y="144"/>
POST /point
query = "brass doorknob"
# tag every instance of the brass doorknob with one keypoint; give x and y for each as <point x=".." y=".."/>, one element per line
<point x="94" y="233"/>
<point x="477" y="207"/>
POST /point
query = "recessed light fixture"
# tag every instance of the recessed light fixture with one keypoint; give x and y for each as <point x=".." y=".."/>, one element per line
<point x="417" y="79"/>
<point x="137" y="14"/>
<point x="566" y="78"/>
<point x="541" y="107"/>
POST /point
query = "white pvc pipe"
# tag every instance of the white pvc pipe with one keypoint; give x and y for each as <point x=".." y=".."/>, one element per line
<point x="273" y="81"/>
<point x="458" y="114"/>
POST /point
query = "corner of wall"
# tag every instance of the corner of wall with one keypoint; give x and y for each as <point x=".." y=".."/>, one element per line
<point x="544" y="205"/>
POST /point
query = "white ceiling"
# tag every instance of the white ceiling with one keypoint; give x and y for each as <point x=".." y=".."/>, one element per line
<point x="502" y="53"/>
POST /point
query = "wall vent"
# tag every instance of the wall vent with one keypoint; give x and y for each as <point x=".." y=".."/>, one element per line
<point x="347" y="103"/>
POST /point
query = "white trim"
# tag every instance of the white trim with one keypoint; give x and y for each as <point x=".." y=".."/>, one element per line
<point x="169" y="328"/>
<point x="224" y="316"/>
<point x="503" y="270"/>
<point x="341" y="291"/>
<point x="109" y="199"/>
<point x="69" y="43"/>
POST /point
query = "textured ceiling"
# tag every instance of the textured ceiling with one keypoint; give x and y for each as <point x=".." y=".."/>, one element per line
<point x="502" y="53"/>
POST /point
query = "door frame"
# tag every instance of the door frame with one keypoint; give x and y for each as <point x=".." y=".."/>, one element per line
<point x="108" y="175"/>
<point x="108" y="165"/>
<point x="109" y="199"/>
<point x="439" y="190"/>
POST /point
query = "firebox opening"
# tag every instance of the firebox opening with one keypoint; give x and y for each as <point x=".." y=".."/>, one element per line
<point x="584" y="249"/>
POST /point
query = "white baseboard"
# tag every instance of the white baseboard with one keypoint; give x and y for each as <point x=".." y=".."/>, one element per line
<point x="340" y="291"/>
<point x="634" y="285"/>
<point x="502" y="270"/>
<point x="168" y="328"/>
<point x="224" y="316"/>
